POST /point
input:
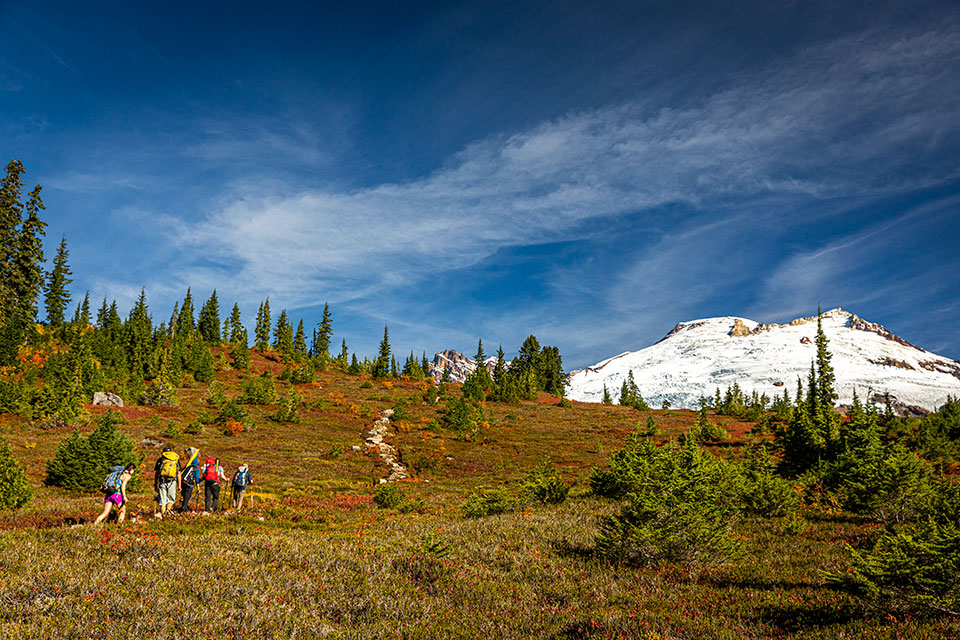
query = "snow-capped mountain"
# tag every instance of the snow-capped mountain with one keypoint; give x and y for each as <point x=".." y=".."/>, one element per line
<point x="698" y="356"/>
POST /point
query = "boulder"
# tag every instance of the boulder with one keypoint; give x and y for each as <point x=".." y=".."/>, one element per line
<point x="107" y="399"/>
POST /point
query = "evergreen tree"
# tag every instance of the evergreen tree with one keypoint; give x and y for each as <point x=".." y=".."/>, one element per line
<point x="261" y="334"/>
<point x="412" y="368"/>
<point x="139" y="333"/>
<point x="506" y="387"/>
<point x="14" y="489"/>
<point x="185" y="322"/>
<point x="394" y="369"/>
<point x="801" y="442"/>
<point x="342" y="358"/>
<point x="28" y="259"/>
<point x="299" y="344"/>
<point x="826" y="419"/>
<point x="283" y="336"/>
<point x="324" y="333"/>
<point x="82" y="463"/>
<point x="528" y="358"/>
<point x="381" y="367"/>
<point x="630" y="394"/>
<point x="81" y="317"/>
<point x="57" y="297"/>
<point x="425" y="364"/>
<point x="208" y="323"/>
<point x="606" y="395"/>
<point x="550" y="371"/>
<point x="237" y="332"/>
<point x="354" y="368"/>
<point x="174" y="316"/>
<point x="478" y="383"/>
<point x="240" y="353"/>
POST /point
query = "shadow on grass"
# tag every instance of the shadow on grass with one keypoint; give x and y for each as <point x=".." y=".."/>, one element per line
<point x="566" y="549"/>
<point x="761" y="583"/>
<point x="801" y="617"/>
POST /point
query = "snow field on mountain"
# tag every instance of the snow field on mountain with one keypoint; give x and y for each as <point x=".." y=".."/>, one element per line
<point x="701" y="355"/>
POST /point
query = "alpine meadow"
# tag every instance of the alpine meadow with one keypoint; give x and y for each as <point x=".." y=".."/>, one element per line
<point x="324" y="321"/>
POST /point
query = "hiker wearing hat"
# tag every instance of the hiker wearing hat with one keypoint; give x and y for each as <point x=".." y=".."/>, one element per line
<point x="190" y="477"/>
<point x="114" y="489"/>
<point x="166" y="480"/>
<point x="241" y="480"/>
<point x="212" y="475"/>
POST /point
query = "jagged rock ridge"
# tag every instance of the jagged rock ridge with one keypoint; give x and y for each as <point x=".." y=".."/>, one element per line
<point x="459" y="365"/>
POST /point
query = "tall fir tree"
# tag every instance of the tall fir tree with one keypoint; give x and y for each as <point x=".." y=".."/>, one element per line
<point x="208" y="322"/>
<point x="81" y="316"/>
<point x="324" y="334"/>
<point x="381" y="367"/>
<point x="479" y="382"/>
<point x="237" y="332"/>
<point x="261" y="333"/>
<point x="606" y="396"/>
<point x="283" y="335"/>
<point x="56" y="294"/>
<point x="185" y="321"/>
<point x="299" y="350"/>
<point x="827" y="420"/>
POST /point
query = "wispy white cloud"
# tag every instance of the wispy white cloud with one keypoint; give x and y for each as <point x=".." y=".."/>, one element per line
<point x="839" y="120"/>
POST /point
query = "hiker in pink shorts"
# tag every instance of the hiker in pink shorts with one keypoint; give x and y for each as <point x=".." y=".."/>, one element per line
<point x="115" y="493"/>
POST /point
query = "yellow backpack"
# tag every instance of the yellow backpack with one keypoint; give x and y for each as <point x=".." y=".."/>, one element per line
<point x="168" y="467"/>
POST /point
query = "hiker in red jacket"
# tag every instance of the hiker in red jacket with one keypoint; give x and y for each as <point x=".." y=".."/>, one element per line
<point x="212" y="475"/>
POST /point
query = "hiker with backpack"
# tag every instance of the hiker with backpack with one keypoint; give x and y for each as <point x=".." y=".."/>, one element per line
<point x="190" y="477"/>
<point x="212" y="475"/>
<point x="114" y="489"/>
<point x="241" y="480"/>
<point x="166" y="480"/>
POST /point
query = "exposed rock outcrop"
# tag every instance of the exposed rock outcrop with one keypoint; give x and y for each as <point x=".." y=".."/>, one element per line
<point x="107" y="399"/>
<point x="459" y="365"/>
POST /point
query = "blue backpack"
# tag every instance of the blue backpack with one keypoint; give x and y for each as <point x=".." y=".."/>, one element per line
<point x="112" y="483"/>
<point x="240" y="479"/>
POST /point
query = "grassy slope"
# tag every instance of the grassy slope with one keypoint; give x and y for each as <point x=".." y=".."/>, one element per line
<point x="315" y="557"/>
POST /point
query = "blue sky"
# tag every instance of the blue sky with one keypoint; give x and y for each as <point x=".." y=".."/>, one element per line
<point x="591" y="173"/>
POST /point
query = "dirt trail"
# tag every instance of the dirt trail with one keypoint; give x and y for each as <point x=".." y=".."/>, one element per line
<point x="388" y="453"/>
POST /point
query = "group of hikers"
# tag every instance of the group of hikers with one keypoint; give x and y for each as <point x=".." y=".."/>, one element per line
<point x="170" y="478"/>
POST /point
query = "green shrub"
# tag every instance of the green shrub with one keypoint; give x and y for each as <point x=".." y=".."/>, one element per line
<point x="388" y="495"/>
<point x="366" y="385"/>
<point x="81" y="463"/>
<point x="711" y="432"/>
<point x="241" y="357"/>
<point x="302" y="374"/>
<point x="215" y="396"/>
<point x="680" y="507"/>
<point x="409" y="506"/>
<point x="488" y="502"/>
<point x="172" y="429"/>
<point x="287" y="409"/>
<point x="336" y="451"/>
<point x="565" y="403"/>
<point x="259" y="390"/>
<point x="194" y="427"/>
<point x="232" y="411"/>
<point x="463" y="417"/>
<point x="915" y="569"/>
<point x="400" y="412"/>
<point x="543" y="484"/>
<point x="14" y="490"/>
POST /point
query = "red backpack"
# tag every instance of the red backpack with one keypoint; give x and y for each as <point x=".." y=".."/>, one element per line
<point x="211" y="471"/>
